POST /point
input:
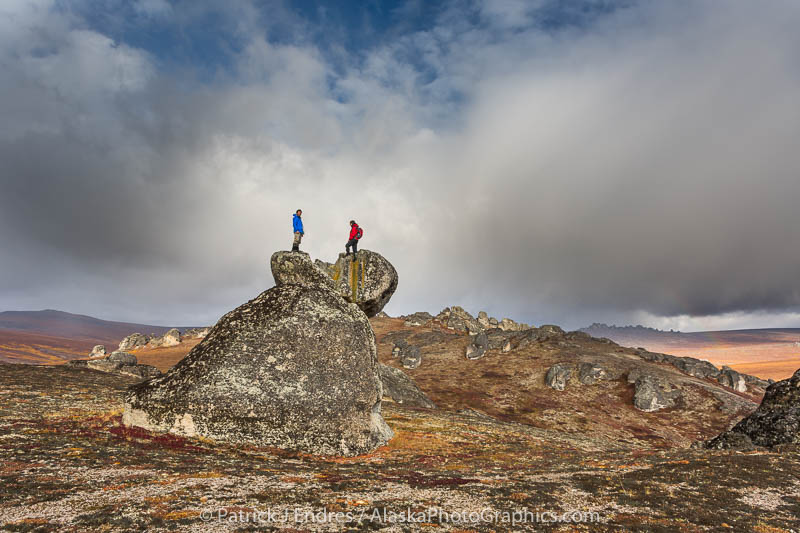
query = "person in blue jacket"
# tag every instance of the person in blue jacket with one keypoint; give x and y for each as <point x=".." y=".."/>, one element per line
<point x="297" y="225"/>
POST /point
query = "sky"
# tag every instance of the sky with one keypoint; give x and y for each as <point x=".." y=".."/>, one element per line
<point x="627" y="162"/>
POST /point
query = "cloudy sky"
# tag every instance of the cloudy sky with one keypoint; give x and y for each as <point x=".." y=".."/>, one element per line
<point x="553" y="162"/>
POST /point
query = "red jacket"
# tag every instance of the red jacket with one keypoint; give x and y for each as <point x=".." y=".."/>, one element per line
<point x="354" y="231"/>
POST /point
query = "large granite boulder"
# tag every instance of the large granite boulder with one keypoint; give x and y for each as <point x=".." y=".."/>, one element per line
<point x="409" y="355"/>
<point x="369" y="282"/>
<point x="295" y="368"/>
<point x="776" y="421"/>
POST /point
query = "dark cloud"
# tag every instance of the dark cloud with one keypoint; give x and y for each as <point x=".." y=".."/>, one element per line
<point x="640" y="167"/>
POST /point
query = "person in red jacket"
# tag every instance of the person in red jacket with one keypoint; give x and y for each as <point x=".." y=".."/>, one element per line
<point x="355" y="235"/>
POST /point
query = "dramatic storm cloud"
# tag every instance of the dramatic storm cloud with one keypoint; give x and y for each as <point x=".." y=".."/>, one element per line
<point x="605" y="161"/>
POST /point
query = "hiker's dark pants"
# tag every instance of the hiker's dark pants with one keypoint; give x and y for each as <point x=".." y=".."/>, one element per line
<point x="353" y="243"/>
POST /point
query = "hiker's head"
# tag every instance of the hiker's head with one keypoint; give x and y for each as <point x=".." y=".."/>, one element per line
<point x="352" y="222"/>
<point x="299" y="212"/>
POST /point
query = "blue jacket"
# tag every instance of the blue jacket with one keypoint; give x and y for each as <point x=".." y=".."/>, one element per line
<point x="298" y="224"/>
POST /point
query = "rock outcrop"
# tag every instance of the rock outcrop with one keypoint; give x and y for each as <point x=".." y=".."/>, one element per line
<point x="133" y="341"/>
<point x="97" y="352"/>
<point x="775" y="422"/>
<point x="369" y="282"/>
<point x="295" y="368"/>
<point x="119" y="363"/>
<point x="456" y="318"/>
<point x="417" y="319"/>
<point x="401" y="389"/>
<point x="170" y="338"/>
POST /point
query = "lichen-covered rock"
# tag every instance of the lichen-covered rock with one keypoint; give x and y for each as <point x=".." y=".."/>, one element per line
<point x="557" y="376"/>
<point x="696" y="367"/>
<point x="97" y="352"/>
<point x="123" y="358"/>
<point x="398" y="386"/>
<point x="591" y="373"/>
<point x="171" y="338"/>
<point x="296" y="268"/>
<point x="477" y="348"/>
<point x="295" y="368"/>
<point x="653" y="393"/>
<point x="776" y="421"/>
<point x="730" y="378"/>
<point x="133" y="341"/>
<point x="369" y="282"/>
<point x="409" y="355"/>
<point x="139" y="371"/>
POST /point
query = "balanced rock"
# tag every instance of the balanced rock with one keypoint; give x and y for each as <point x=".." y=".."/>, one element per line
<point x="776" y="421"/>
<point x="369" y="281"/>
<point x="98" y="351"/>
<point x="295" y="368"/>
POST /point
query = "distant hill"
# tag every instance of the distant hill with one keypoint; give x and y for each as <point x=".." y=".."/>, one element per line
<point x="50" y="336"/>
<point x="770" y="352"/>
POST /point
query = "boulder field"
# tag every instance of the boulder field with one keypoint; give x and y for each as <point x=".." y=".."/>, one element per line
<point x="294" y="368"/>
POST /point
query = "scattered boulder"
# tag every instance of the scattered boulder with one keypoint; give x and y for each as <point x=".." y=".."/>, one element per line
<point x="369" y="282"/>
<point x="418" y="319"/>
<point x="730" y="378"/>
<point x="98" y="351"/>
<point x="776" y="421"/>
<point x="557" y="376"/>
<point x="477" y="348"/>
<point x="591" y="373"/>
<point x="653" y="393"/>
<point x="398" y="386"/>
<point x="195" y="333"/>
<point x="483" y="320"/>
<point x="409" y="355"/>
<point x="133" y="341"/>
<point x="696" y="367"/>
<point x="382" y="314"/>
<point x="295" y="368"/>
<point x="123" y="358"/>
<point x="118" y="363"/>
<point x="171" y="338"/>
